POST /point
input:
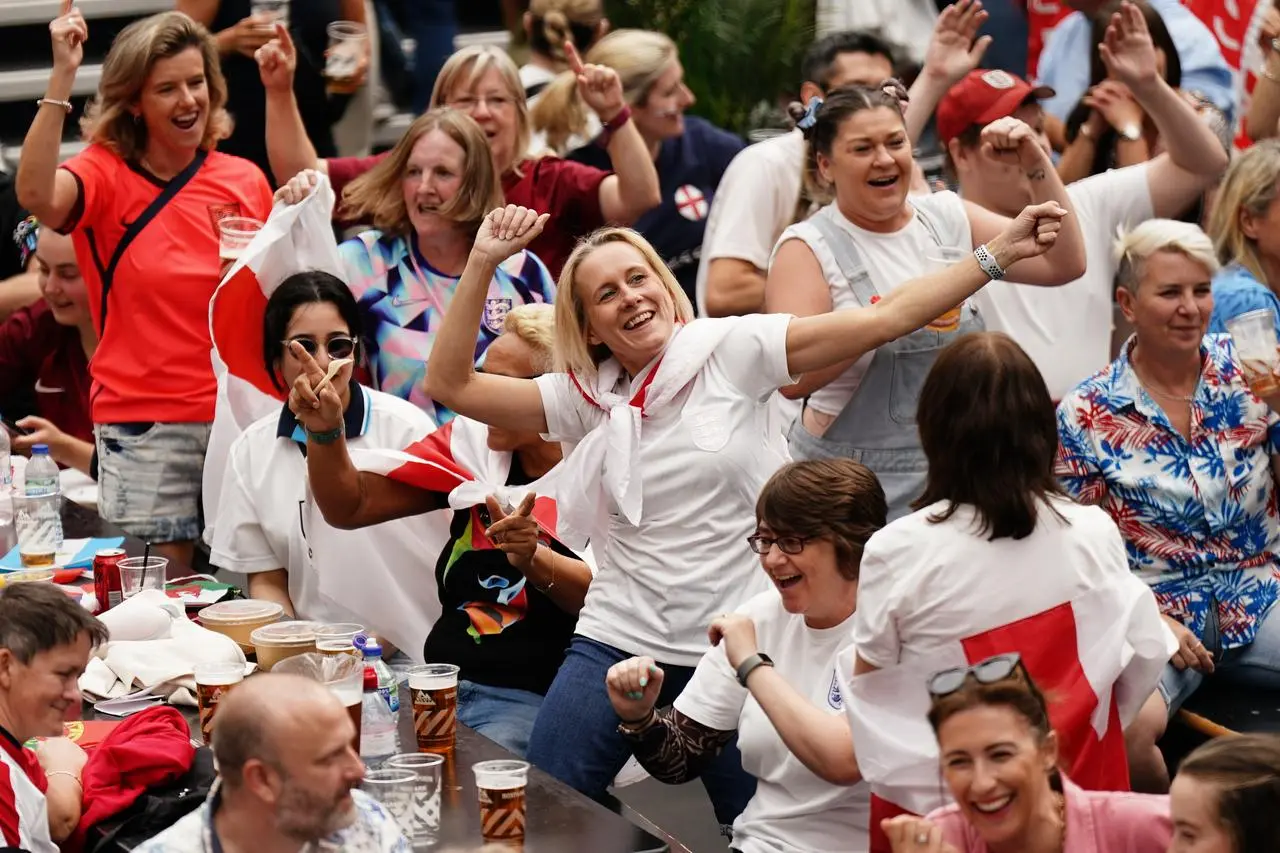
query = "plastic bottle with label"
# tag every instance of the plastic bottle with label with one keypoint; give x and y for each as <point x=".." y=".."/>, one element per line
<point x="379" y="739"/>
<point x="388" y="685"/>
<point x="43" y="506"/>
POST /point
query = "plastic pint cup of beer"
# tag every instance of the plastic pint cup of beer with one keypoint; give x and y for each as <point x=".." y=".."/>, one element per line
<point x="1254" y="336"/>
<point x="501" y="785"/>
<point x="213" y="680"/>
<point x="434" y="688"/>
<point x="235" y="233"/>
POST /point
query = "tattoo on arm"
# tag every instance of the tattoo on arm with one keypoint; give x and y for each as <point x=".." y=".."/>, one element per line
<point x="1036" y="174"/>
<point x="676" y="748"/>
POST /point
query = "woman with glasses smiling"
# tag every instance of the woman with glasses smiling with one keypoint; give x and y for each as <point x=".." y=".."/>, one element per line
<point x="812" y="520"/>
<point x="425" y="201"/>
<point x="260" y="528"/>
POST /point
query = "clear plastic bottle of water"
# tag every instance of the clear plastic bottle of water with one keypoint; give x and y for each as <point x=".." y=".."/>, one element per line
<point x="6" y="482"/>
<point x="42" y="473"/>
<point x="378" y="736"/>
<point x="43" y="505"/>
<point x="388" y="685"/>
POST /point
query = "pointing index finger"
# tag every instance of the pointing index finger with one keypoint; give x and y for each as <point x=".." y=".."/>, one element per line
<point x="309" y="367"/>
<point x="526" y="505"/>
<point x="575" y="61"/>
<point x="64" y="9"/>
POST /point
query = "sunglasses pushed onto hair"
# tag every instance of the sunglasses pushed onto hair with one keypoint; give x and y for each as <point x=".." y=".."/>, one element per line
<point x="339" y="346"/>
<point x="989" y="671"/>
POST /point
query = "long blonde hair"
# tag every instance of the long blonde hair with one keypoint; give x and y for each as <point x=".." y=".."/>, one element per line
<point x="464" y="69"/>
<point x="377" y="195"/>
<point x="107" y="120"/>
<point x="1250" y="186"/>
<point x="556" y="21"/>
<point x="573" y="353"/>
<point x="639" y="56"/>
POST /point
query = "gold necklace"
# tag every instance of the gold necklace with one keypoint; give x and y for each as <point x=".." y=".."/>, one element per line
<point x="1168" y="395"/>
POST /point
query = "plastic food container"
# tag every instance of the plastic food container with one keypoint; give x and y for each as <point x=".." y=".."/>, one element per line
<point x="282" y="640"/>
<point x="239" y="619"/>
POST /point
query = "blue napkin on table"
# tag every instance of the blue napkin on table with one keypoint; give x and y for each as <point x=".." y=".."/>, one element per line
<point x="74" y="554"/>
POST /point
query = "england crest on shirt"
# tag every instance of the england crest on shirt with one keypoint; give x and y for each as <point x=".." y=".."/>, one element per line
<point x="834" y="697"/>
<point x="495" y="313"/>
<point x="691" y="203"/>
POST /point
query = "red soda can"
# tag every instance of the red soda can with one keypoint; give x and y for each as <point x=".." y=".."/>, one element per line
<point x="106" y="578"/>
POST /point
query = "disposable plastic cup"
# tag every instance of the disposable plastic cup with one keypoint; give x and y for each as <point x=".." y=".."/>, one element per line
<point x="1254" y="336"/>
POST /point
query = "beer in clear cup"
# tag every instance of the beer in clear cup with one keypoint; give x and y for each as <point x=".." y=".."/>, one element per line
<point x="348" y="45"/>
<point x="1254" y="335"/>
<point x="339" y="639"/>
<point x="501" y="786"/>
<point x="434" y="688"/>
<point x="213" y="681"/>
<point x="235" y="233"/>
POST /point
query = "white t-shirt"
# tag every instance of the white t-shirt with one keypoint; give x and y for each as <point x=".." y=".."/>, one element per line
<point x="704" y="458"/>
<point x="793" y="810"/>
<point x="754" y="203"/>
<point x="891" y="260"/>
<point x="923" y="585"/>
<point x="260" y="516"/>
<point x="1067" y="330"/>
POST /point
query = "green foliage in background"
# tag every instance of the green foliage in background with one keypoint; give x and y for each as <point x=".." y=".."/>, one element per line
<point x="741" y="57"/>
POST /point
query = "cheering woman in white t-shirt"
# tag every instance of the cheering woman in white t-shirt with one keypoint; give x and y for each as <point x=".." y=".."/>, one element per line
<point x="675" y="434"/>
<point x="871" y="239"/>
<point x="812" y="520"/>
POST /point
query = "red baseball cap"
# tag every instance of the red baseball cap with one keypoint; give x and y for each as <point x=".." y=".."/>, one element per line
<point x="982" y="97"/>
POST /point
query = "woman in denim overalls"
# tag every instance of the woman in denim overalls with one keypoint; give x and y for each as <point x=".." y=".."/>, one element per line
<point x="871" y="239"/>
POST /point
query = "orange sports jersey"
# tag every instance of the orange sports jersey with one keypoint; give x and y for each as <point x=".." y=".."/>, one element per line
<point x="153" y="362"/>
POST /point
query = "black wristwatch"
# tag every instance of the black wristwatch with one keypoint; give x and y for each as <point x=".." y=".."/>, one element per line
<point x="750" y="664"/>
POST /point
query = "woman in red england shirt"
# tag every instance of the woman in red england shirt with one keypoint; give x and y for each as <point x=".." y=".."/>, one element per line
<point x="484" y="83"/>
<point x="142" y="203"/>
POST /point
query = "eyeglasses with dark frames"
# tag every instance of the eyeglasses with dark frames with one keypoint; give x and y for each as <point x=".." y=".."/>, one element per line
<point x="339" y="346"/>
<point x="786" y="544"/>
<point x="989" y="671"/>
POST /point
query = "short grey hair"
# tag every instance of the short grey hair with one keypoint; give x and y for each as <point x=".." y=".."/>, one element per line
<point x="36" y="617"/>
<point x="1133" y="247"/>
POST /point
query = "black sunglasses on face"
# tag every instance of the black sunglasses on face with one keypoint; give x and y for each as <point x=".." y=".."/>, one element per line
<point x="989" y="671"/>
<point x="339" y="346"/>
<point x="786" y="544"/>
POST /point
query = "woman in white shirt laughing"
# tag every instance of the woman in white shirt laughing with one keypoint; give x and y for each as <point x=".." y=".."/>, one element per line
<point x="675" y="436"/>
<point x="812" y="520"/>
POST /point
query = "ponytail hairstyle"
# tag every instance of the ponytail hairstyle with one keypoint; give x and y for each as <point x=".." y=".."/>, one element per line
<point x="553" y="22"/>
<point x="639" y="56"/>
<point x="820" y="123"/>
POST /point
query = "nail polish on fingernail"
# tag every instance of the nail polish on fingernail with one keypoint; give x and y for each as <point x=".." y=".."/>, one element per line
<point x="644" y="681"/>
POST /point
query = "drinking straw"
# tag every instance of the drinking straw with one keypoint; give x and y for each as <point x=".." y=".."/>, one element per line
<point x="146" y="560"/>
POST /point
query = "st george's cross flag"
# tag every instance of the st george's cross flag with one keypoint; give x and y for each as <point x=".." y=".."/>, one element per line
<point x="1095" y="658"/>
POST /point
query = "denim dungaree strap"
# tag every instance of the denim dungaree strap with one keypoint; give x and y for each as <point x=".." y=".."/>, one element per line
<point x="878" y="425"/>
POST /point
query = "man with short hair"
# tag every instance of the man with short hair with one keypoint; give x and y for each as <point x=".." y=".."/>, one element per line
<point x="1067" y="330"/>
<point x="289" y="778"/>
<point x="45" y="642"/>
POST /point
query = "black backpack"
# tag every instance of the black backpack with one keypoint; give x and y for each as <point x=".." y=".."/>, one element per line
<point x="156" y="810"/>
